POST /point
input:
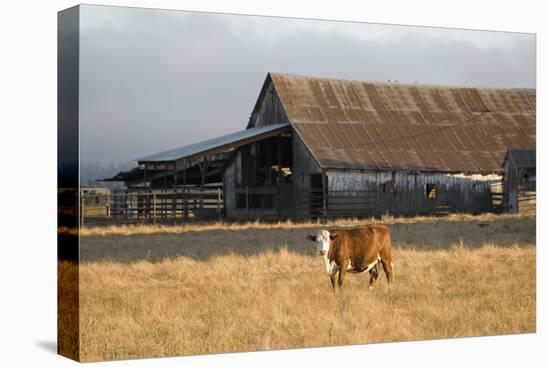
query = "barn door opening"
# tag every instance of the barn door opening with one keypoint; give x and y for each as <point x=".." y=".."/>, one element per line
<point x="317" y="195"/>
<point x="286" y="201"/>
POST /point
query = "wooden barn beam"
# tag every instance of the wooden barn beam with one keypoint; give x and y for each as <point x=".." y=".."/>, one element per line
<point x="185" y="212"/>
<point x="279" y="159"/>
<point x="145" y="177"/>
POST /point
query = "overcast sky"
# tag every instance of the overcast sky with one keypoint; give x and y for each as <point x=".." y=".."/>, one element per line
<point x="151" y="80"/>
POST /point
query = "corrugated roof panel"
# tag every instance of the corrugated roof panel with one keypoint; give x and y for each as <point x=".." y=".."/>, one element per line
<point x="219" y="142"/>
<point x="374" y="97"/>
<point x="419" y="99"/>
<point x="317" y="93"/>
<point x="340" y="94"/>
<point x="351" y="95"/>
<point x="524" y="126"/>
<point x="379" y="160"/>
<point x="466" y="138"/>
<point x="362" y="139"/>
<point x="532" y="99"/>
<point x="316" y="114"/>
<point x="431" y="99"/>
<point x="403" y="141"/>
<point x="443" y="137"/>
<point x="445" y="100"/>
<point x="361" y="93"/>
<point x="354" y="139"/>
<point x="517" y="102"/>
<point x="477" y="137"/>
<point x="329" y="94"/>
<point x="437" y="139"/>
<point x="443" y="128"/>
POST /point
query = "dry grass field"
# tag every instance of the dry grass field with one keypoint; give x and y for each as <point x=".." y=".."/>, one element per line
<point x="257" y="287"/>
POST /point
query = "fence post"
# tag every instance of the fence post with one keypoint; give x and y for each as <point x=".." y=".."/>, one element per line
<point x="185" y="203"/>
<point x="246" y="197"/>
<point x="246" y="200"/>
<point x="154" y="208"/>
<point x="280" y="212"/>
<point x="174" y="207"/>
<point x="219" y="203"/>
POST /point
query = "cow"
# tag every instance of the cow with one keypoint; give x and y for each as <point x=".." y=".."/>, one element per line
<point x="355" y="250"/>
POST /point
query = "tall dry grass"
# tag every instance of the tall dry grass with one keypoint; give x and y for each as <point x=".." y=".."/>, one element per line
<point x="228" y="287"/>
<point x="237" y="226"/>
<point x="246" y="239"/>
<point x="283" y="299"/>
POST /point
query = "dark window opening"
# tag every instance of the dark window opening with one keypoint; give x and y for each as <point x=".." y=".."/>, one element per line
<point x="267" y="162"/>
<point x="388" y="187"/>
<point x="317" y="181"/>
<point x="431" y="191"/>
<point x="317" y="195"/>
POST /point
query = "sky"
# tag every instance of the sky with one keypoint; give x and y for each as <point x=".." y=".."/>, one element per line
<point x="152" y="80"/>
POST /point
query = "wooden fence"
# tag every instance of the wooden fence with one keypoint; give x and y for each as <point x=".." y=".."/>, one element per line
<point x="150" y="207"/>
<point x="273" y="203"/>
<point x="252" y="203"/>
<point x="526" y="198"/>
<point x="315" y="204"/>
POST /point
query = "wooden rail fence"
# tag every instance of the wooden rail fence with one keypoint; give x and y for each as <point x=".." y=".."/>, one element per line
<point x="278" y="203"/>
<point x="150" y="207"/>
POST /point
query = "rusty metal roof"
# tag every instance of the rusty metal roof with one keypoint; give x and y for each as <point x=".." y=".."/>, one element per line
<point x="349" y="124"/>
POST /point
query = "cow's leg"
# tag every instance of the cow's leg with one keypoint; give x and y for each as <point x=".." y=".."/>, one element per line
<point x="388" y="269"/>
<point x="342" y="274"/>
<point x="373" y="276"/>
<point x="332" y="269"/>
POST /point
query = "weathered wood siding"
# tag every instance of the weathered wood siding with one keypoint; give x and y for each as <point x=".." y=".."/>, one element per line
<point x="231" y="180"/>
<point x="304" y="166"/>
<point x="270" y="110"/>
<point x="509" y="184"/>
<point x="455" y="192"/>
<point x="519" y="185"/>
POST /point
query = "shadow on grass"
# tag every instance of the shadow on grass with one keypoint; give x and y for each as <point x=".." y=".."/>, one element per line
<point x="204" y="245"/>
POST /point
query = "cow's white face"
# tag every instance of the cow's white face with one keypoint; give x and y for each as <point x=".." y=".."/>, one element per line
<point x="322" y="241"/>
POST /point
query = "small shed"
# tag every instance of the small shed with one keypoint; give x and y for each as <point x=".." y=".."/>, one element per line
<point x="519" y="180"/>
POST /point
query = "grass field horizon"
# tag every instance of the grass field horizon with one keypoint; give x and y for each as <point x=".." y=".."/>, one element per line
<point x="257" y="287"/>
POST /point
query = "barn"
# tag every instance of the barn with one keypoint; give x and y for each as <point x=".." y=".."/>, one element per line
<point x="319" y="147"/>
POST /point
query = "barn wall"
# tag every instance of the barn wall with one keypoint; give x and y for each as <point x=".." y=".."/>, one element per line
<point x="455" y="192"/>
<point x="304" y="165"/>
<point x="526" y="193"/>
<point x="231" y="180"/>
<point x="270" y="110"/>
<point x="510" y="186"/>
<point x="519" y="187"/>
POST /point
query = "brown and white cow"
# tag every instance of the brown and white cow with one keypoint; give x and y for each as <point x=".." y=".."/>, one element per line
<point x="355" y="250"/>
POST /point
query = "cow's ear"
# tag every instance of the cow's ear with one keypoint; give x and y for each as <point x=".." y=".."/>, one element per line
<point x="311" y="237"/>
<point x="333" y="237"/>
